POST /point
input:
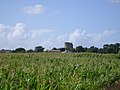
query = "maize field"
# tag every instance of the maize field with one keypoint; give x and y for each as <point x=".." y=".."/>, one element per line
<point x="58" y="71"/>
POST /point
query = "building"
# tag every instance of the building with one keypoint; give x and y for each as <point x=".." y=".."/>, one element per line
<point x="68" y="45"/>
<point x="5" y="51"/>
<point x="54" y="51"/>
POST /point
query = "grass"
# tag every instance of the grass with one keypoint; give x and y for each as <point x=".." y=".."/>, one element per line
<point x="58" y="71"/>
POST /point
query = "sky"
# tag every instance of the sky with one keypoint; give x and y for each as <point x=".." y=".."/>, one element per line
<point x="50" y="23"/>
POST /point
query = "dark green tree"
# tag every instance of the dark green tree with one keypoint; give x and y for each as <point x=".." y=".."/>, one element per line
<point x="117" y="47"/>
<point x="20" y="50"/>
<point x="30" y="51"/>
<point x="85" y="49"/>
<point x="72" y="50"/>
<point x="100" y="50"/>
<point x="79" y="49"/>
<point x="93" y="49"/>
<point x="61" y="49"/>
<point x="54" y="48"/>
<point x="39" y="49"/>
<point x="112" y="48"/>
<point x="106" y="49"/>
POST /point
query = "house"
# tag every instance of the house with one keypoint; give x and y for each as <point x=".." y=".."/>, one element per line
<point x="5" y="51"/>
<point x="54" y="51"/>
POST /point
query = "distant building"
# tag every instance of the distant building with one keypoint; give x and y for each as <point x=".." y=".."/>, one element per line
<point x="5" y="51"/>
<point x="68" y="46"/>
<point x="54" y="51"/>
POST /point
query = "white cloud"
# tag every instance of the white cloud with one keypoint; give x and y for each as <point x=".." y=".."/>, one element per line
<point x="115" y="1"/>
<point x="87" y="39"/>
<point x="55" y="41"/>
<point x="2" y="27"/>
<point x="19" y="35"/>
<point x="39" y="32"/>
<point x="77" y="34"/>
<point x="78" y="37"/>
<point x="36" y="9"/>
<point x="19" y="31"/>
<point x="99" y="37"/>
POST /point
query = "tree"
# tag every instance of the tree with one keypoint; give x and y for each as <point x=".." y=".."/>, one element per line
<point x="112" y="48"/>
<point x="54" y="48"/>
<point x="85" y="49"/>
<point x="79" y="49"/>
<point x="106" y="49"/>
<point x="117" y="47"/>
<point x="93" y="49"/>
<point x="20" y="50"/>
<point x="101" y="50"/>
<point x="30" y="51"/>
<point x="39" y="49"/>
<point x="72" y="50"/>
<point x="62" y="49"/>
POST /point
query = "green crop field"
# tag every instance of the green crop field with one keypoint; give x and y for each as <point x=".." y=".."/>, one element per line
<point x="58" y="71"/>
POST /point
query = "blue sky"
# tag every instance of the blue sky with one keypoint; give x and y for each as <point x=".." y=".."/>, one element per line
<point x="28" y="23"/>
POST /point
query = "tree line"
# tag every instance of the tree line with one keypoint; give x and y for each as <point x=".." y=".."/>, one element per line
<point x="107" y="48"/>
<point x="23" y="50"/>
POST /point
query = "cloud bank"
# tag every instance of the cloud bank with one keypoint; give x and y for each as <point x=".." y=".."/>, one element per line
<point x="20" y="35"/>
<point x="36" y="9"/>
<point x="79" y="37"/>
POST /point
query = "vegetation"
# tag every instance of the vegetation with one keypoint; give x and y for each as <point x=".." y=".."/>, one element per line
<point x="20" y="50"/>
<point x="112" y="48"/>
<point x="58" y="71"/>
<point x="39" y="49"/>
